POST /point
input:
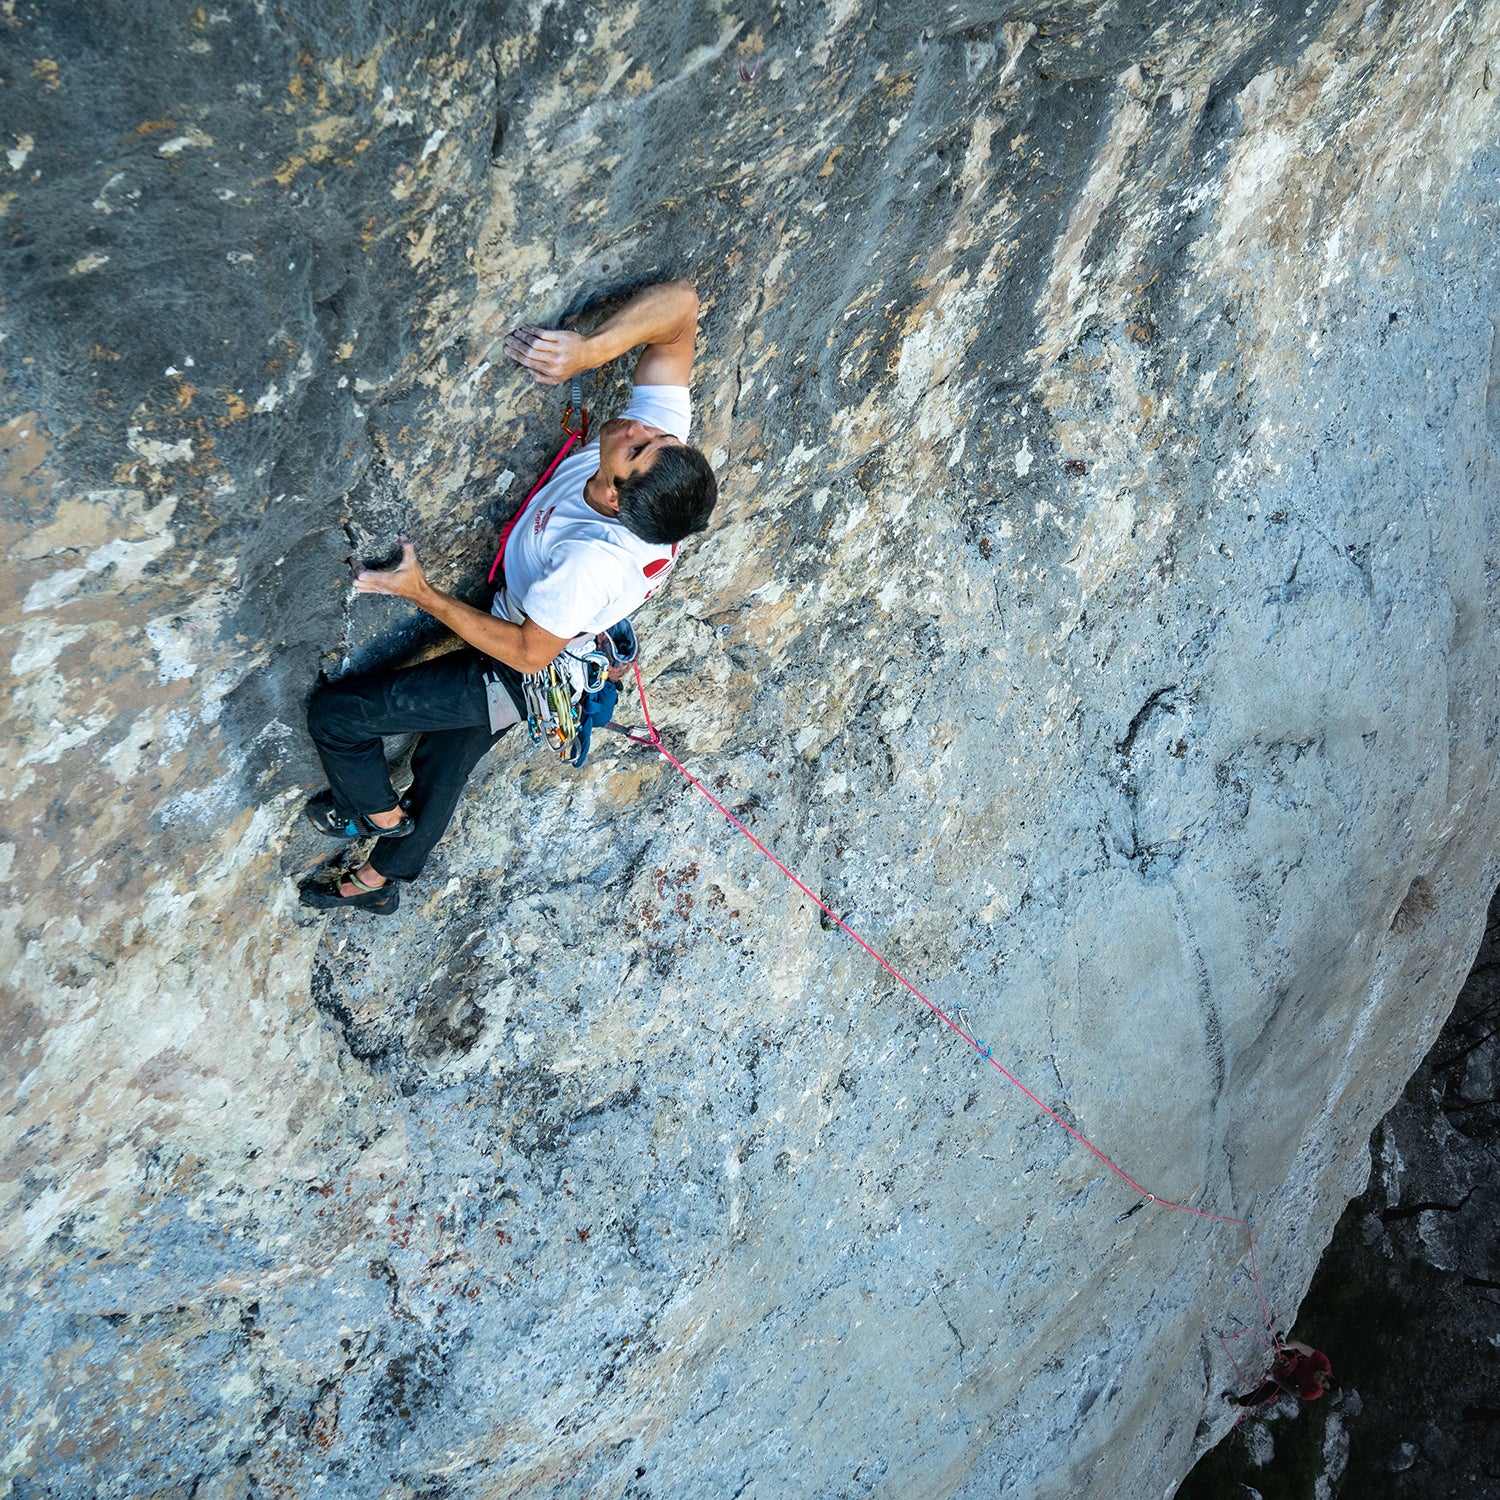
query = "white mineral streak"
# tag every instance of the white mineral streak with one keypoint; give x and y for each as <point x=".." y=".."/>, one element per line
<point x="1067" y="304"/>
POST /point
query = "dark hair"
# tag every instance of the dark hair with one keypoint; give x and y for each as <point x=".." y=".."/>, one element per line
<point x="672" y="499"/>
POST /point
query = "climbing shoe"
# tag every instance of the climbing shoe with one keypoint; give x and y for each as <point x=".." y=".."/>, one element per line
<point x="382" y="901"/>
<point x="328" y="819"/>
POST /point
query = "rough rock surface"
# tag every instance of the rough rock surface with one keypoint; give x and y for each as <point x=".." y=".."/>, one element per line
<point x="1404" y="1298"/>
<point x="1100" y="614"/>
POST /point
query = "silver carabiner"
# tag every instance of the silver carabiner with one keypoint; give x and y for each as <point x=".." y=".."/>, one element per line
<point x="595" y="671"/>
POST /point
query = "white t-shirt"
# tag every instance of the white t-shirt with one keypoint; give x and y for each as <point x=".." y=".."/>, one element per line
<point x="572" y="570"/>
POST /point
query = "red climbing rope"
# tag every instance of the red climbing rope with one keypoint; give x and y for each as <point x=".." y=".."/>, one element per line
<point x="579" y="434"/>
<point x="652" y="740"/>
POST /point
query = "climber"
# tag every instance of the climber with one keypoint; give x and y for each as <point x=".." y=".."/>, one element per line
<point x="599" y="538"/>
<point x="1298" y="1370"/>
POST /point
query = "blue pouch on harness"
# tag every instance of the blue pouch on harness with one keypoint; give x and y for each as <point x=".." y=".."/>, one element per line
<point x="623" y="647"/>
<point x="593" y="709"/>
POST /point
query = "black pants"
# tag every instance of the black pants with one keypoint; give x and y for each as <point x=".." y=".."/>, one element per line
<point x="444" y="701"/>
<point x="1261" y="1394"/>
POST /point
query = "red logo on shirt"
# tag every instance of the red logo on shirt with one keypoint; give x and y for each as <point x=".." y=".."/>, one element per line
<point x="658" y="566"/>
<point x="543" y="516"/>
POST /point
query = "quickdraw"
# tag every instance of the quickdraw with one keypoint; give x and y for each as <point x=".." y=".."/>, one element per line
<point x="575" y="403"/>
<point x="550" y="711"/>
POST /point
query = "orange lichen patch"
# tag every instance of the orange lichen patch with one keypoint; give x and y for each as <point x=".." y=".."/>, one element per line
<point x="639" y="81"/>
<point x="365" y="73"/>
<point x="98" y="351"/>
<point x="204" y="463"/>
<point x="235" y="407"/>
<point x="328" y="129"/>
<point x="78" y="524"/>
<point x="833" y="156"/>
<point x="23" y="451"/>
<point x="184" y="394"/>
<point x="47" y="71"/>
<point x="150" y="127"/>
<point x="296" y="87"/>
<point x="319" y="153"/>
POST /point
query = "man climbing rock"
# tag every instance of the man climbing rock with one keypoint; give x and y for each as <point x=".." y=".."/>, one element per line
<point x="1298" y="1370"/>
<point x="588" y="548"/>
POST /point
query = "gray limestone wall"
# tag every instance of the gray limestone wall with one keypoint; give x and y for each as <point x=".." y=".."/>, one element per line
<point x="1404" y="1298"/>
<point x="1099" y="613"/>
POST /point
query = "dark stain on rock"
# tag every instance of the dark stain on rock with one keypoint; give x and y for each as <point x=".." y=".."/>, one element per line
<point x="409" y="1386"/>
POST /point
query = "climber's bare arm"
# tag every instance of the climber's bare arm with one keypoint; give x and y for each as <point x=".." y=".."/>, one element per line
<point x="664" y="318"/>
<point x="526" y="647"/>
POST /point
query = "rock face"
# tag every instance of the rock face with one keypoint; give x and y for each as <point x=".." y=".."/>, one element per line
<point x="1099" y="614"/>
<point x="1405" y="1294"/>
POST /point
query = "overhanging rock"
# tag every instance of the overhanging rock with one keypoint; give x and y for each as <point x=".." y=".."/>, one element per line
<point x="1099" y="614"/>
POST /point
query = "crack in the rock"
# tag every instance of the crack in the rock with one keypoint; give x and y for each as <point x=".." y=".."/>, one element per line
<point x="346" y="626"/>
<point x="962" y="1347"/>
<point x="1124" y="746"/>
<point x="1213" y="1030"/>
<point x="1411" y="1210"/>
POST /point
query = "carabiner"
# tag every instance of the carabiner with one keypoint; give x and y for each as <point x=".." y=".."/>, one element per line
<point x="575" y="403"/>
<point x="595" y="671"/>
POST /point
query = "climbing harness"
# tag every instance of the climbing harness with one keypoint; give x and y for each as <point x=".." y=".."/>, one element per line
<point x="560" y="715"/>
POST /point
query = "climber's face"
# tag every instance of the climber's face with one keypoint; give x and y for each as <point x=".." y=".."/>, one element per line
<point x="628" y="447"/>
